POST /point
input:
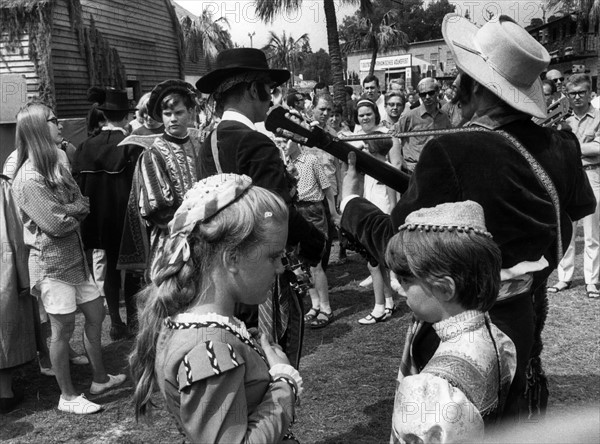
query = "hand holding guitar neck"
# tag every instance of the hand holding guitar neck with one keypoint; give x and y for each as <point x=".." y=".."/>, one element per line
<point x="278" y="123"/>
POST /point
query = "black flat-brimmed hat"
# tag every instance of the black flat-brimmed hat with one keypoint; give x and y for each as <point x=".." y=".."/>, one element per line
<point x="115" y="100"/>
<point x="165" y="88"/>
<point x="236" y="61"/>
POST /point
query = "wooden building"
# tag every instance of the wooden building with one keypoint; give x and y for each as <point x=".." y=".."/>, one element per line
<point x="65" y="46"/>
<point x="571" y="51"/>
<point x="62" y="47"/>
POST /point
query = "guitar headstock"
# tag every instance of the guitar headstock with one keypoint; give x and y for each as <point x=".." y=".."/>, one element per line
<point x="279" y="122"/>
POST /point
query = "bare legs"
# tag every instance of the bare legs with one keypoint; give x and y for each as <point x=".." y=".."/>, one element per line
<point x="62" y="329"/>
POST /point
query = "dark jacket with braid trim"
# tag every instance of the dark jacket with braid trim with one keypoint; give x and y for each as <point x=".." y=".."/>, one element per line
<point x="246" y="151"/>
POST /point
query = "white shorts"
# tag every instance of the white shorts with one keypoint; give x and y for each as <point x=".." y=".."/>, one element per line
<point x="61" y="298"/>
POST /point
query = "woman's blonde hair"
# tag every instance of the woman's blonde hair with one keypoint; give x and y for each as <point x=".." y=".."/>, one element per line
<point x="34" y="142"/>
<point x="177" y="286"/>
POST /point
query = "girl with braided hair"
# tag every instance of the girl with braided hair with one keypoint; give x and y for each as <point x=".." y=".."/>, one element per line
<point x="222" y="384"/>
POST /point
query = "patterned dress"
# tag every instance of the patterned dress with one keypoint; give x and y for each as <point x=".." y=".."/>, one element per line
<point x="216" y="382"/>
<point x="463" y="386"/>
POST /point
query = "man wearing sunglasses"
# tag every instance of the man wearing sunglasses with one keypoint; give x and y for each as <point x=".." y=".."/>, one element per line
<point x="425" y="117"/>
<point x="556" y="76"/>
<point x="585" y="123"/>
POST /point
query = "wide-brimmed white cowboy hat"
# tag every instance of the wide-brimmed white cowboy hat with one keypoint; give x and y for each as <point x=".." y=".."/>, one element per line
<point x="501" y="56"/>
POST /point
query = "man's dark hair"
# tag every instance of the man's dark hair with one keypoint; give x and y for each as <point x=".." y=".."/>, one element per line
<point x="237" y="91"/>
<point x="320" y="85"/>
<point x="371" y="78"/>
<point x="463" y="90"/>
<point x="291" y="99"/>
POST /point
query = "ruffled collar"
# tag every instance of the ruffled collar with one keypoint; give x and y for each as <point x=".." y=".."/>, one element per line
<point x="194" y="318"/>
<point x="455" y="326"/>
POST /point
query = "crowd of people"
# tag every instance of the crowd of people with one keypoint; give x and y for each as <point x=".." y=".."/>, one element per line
<point x="189" y="213"/>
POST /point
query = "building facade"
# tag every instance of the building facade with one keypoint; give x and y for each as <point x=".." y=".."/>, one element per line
<point x="571" y="52"/>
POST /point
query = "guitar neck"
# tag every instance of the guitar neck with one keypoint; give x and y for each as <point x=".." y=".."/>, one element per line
<point x="278" y="123"/>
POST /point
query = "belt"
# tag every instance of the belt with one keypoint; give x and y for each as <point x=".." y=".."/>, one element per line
<point x="591" y="167"/>
<point x="307" y="203"/>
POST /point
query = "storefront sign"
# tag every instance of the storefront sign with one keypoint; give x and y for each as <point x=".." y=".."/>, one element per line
<point x="383" y="63"/>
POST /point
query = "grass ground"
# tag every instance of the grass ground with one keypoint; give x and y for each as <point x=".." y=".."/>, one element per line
<point x="349" y="375"/>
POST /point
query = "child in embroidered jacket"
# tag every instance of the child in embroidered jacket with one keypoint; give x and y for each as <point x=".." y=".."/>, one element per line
<point x="449" y="267"/>
<point x="222" y="386"/>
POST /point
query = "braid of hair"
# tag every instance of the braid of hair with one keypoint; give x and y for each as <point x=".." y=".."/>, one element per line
<point x="176" y="286"/>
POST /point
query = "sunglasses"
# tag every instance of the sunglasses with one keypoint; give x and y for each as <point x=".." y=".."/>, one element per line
<point x="558" y="79"/>
<point x="427" y="93"/>
<point x="54" y="120"/>
<point x="575" y="94"/>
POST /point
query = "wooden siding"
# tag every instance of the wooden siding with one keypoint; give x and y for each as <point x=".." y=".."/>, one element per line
<point x="15" y="63"/>
<point x="141" y="31"/>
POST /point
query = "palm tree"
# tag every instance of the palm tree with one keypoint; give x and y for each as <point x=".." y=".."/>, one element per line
<point x="285" y="52"/>
<point x="204" y="36"/>
<point x="376" y="30"/>
<point x="267" y="9"/>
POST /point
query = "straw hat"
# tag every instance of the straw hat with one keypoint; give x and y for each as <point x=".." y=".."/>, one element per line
<point x="503" y="57"/>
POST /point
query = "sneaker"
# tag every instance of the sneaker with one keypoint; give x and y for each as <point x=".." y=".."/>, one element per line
<point x="80" y="360"/>
<point x="366" y="283"/>
<point x="113" y="381"/>
<point x="80" y="405"/>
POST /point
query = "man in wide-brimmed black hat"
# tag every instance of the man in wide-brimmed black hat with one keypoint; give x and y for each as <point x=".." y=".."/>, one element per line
<point x="241" y="86"/>
<point x="104" y="172"/>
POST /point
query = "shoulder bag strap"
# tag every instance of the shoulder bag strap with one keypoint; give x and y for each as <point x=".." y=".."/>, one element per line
<point x="215" y="151"/>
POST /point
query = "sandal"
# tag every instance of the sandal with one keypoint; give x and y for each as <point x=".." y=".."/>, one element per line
<point x="311" y="315"/>
<point x="559" y="286"/>
<point x="593" y="294"/>
<point x="323" y="320"/>
<point x="370" y="319"/>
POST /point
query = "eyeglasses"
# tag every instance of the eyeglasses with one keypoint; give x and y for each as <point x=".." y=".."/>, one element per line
<point x="558" y="79"/>
<point x="427" y="93"/>
<point x="54" y="120"/>
<point x="394" y="104"/>
<point x="574" y="94"/>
